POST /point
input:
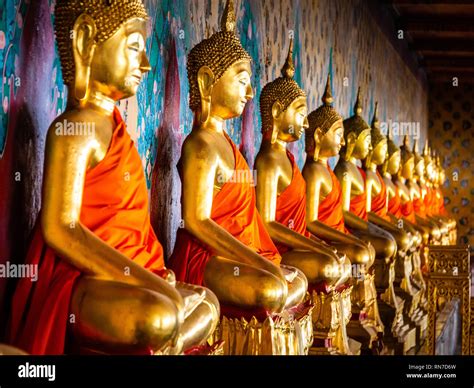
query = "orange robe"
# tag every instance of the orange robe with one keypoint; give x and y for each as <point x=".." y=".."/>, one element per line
<point x="395" y="205"/>
<point x="115" y="210"/>
<point x="234" y="209"/>
<point x="430" y="202"/>
<point x="379" y="201"/>
<point x="330" y="208"/>
<point x="440" y="202"/>
<point x="408" y="211"/>
<point x="419" y="207"/>
<point x="291" y="205"/>
<point x="359" y="202"/>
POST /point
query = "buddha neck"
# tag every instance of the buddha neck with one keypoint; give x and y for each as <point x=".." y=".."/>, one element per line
<point x="96" y="101"/>
<point x="212" y="124"/>
<point x="372" y="167"/>
<point x="278" y="145"/>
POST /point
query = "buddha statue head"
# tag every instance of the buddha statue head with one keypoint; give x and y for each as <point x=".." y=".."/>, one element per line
<point x="325" y="133"/>
<point x="419" y="161"/>
<point x="378" y="152"/>
<point x="219" y="73"/>
<point x="101" y="45"/>
<point x="429" y="163"/>
<point x="283" y="106"/>
<point x="357" y="134"/>
<point x="393" y="161"/>
<point x="407" y="159"/>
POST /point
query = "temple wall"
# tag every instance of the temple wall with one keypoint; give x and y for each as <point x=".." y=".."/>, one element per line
<point x="451" y="131"/>
<point x="339" y="36"/>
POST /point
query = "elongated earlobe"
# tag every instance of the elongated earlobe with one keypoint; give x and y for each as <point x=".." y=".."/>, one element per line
<point x="83" y="37"/>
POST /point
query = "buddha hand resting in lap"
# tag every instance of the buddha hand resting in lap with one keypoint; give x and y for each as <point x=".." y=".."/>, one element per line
<point x="101" y="268"/>
<point x="224" y="243"/>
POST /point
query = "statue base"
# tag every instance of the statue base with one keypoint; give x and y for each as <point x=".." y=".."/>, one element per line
<point x="288" y="333"/>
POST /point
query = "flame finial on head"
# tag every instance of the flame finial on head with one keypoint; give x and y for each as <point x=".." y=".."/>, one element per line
<point x="288" y="69"/>
<point x="358" y="104"/>
<point x="327" y="96"/>
<point x="228" y="21"/>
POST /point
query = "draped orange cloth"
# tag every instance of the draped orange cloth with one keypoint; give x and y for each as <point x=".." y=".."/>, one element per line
<point x="115" y="209"/>
<point x="395" y="204"/>
<point x="408" y="211"/>
<point x="234" y="209"/>
<point x="291" y="205"/>
<point x="440" y="202"/>
<point x="379" y="202"/>
<point x="330" y="208"/>
<point x="430" y="202"/>
<point x="358" y="204"/>
<point x="419" y="207"/>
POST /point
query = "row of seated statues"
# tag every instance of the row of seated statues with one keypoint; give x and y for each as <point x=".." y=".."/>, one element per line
<point x="296" y="262"/>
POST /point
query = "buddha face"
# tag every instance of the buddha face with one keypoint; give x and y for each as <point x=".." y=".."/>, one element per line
<point x="420" y="167"/>
<point x="332" y="140"/>
<point x="362" y="145"/>
<point x="379" y="153"/>
<point x="408" y="168"/>
<point x="232" y="91"/>
<point x="292" y="122"/>
<point x="394" y="163"/>
<point x="119" y="63"/>
<point x="429" y="169"/>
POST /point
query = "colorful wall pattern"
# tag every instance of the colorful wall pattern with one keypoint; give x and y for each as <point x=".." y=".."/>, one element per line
<point x="339" y="36"/>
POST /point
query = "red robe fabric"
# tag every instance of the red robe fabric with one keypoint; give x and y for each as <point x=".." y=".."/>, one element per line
<point x="330" y="210"/>
<point x="359" y="202"/>
<point x="379" y="202"/>
<point x="113" y="208"/>
<point x="291" y="205"/>
<point x="395" y="204"/>
<point x="234" y="209"/>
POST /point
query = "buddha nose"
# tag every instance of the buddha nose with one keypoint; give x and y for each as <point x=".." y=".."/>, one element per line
<point x="249" y="92"/>
<point x="145" y="64"/>
<point x="343" y="141"/>
<point x="306" y="123"/>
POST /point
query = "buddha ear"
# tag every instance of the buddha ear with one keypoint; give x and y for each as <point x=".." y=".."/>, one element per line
<point x="83" y="47"/>
<point x="318" y="136"/>
<point x="277" y="109"/>
<point x="350" y="144"/>
<point x="206" y="80"/>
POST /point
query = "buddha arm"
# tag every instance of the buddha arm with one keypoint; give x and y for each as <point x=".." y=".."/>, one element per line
<point x="66" y="161"/>
<point x="350" y="219"/>
<point x="376" y="219"/>
<point x="199" y="162"/>
<point x="318" y="228"/>
<point x="267" y="193"/>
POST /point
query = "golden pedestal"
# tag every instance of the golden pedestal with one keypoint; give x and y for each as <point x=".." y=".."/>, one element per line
<point x="449" y="277"/>
<point x="288" y="333"/>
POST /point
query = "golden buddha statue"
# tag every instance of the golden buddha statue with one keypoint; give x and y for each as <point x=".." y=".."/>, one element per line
<point x="417" y="188"/>
<point x="377" y="207"/>
<point x="439" y="176"/>
<point x="224" y="243"/>
<point x="445" y="224"/>
<point x="101" y="268"/>
<point x="357" y="135"/>
<point x="281" y="201"/>
<point x="324" y="215"/>
<point x="389" y="170"/>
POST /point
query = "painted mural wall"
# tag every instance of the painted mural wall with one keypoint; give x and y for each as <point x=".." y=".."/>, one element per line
<point x="337" y="36"/>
